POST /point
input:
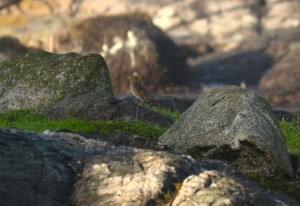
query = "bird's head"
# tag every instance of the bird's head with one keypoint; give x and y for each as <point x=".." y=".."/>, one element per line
<point x="133" y="78"/>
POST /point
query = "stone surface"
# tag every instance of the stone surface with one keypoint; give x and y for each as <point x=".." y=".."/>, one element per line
<point x="100" y="106"/>
<point x="284" y="77"/>
<point x="129" y="43"/>
<point x="36" y="79"/>
<point x="61" y="168"/>
<point x="35" y="168"/>
<point x="235" y="125"/>
<point x="168" y="103"/>
<point x="282" y="82"/>
<point x="205" y="188"/>
<point x="285" y="116"/>
<point x="282" y="15"/>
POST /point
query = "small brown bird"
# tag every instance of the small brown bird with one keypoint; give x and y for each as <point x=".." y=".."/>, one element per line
<point x="138" y="90"/>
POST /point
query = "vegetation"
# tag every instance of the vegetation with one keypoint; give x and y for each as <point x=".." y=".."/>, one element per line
<point x="174" y="115"/>
<point x="30" y="120"/>
<point x="291" y="133"/>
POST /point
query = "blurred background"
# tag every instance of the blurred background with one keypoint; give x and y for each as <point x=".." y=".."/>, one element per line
<point x="183" y="47"/>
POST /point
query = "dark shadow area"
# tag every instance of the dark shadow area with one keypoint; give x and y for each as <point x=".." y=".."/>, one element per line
<point x="10" y="47"/>
<point x="233" y="68"/>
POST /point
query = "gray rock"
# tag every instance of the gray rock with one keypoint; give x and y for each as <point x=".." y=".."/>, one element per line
<point x="35" y="79"/>
<point x="101" y="106"/>
<point x="59" y="168"/>
<point x="236" y="125"/>
<point x="34" y="168"/>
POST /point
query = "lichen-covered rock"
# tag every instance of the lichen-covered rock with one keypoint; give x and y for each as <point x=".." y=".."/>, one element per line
<point x="129" y="43"/>
<point x="35" y="79"/>
<point x="61" y="168"/>
<point x="236" y="125"/>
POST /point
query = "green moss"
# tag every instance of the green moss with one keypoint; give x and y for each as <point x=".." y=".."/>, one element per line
<point x="42" y="77"/>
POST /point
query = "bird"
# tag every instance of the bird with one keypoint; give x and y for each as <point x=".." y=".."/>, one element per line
<point x="138" y="90"/>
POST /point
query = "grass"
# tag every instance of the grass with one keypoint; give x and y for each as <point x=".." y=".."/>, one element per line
<point x="291" y="133"/>
<point x="30" y="120"/>
<point x="174" y="115"/>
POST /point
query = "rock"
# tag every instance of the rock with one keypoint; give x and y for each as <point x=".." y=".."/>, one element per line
<point x="34" y="8"/>
<point x="235" y="125"/>
<point x="60" y="168"/>
<point x="284" y="115"/>
<point x="101" y="106"/>
<point x="232" y="68"/>
<point x="36" y="79"/>
<point x="284" y="77"/>
<point x="35" y="168"/>
<point x="204" y="189"/>
<point x="32" y="31"/>
<point x="282" y="82"/>
<point x="169" y="103"/>
<point x="281" y="15"/>
<point x="129" y="43"/>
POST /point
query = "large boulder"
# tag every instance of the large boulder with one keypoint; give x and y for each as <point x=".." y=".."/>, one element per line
<point x="35" y="79"/>
<point x="235" y="125"/>
<point x="60" y="168"/>
<point x="129" y="43"/>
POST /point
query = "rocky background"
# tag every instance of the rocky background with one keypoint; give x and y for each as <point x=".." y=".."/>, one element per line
<point x="179" y="47"/>
<point x="84" y="52"/>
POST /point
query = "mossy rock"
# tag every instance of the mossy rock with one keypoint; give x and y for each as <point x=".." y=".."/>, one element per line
<point x="235" y="125"/>
<point x="40" y="78"/>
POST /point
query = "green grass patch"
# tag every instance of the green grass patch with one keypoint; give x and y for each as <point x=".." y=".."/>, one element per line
<point x="172" y="114"/>
<point x="30" y="120"/>
<point x="291" y="133"/>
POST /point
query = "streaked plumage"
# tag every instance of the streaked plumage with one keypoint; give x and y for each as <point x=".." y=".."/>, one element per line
<point x="138" y="90"/>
